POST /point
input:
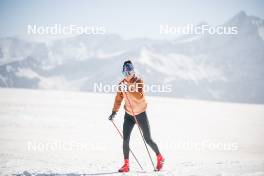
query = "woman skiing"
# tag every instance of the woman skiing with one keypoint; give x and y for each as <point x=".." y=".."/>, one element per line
<point x="131" y="90"/>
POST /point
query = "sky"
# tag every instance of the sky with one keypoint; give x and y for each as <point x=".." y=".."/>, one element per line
<point x="128" y="18"/>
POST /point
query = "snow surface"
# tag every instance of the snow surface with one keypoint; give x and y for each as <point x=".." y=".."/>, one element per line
<point x="78" y="138"/>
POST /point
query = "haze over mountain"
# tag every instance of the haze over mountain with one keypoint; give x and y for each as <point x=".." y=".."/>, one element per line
<point x="211" y="67"/>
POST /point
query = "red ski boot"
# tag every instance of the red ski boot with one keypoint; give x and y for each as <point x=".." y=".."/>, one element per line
<point x="160" y="162"/>
<point x="125" y="167"/>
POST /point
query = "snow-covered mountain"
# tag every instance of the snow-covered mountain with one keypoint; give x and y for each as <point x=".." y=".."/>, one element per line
<point x="215" y="67"/>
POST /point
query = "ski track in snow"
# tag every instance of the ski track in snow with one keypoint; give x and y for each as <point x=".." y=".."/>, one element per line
<point x="67" y="133"/>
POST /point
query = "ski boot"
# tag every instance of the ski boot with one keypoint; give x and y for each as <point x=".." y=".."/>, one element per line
<point x="160" y="162"/>
<point x="125" y="167"/>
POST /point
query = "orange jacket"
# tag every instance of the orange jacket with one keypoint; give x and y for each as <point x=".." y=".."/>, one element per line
<point x="134" y="98"/>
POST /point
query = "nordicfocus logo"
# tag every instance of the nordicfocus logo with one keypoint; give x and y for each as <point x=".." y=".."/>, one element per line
<point x="154" y="88"/>
<point x="59" y="29"/>
<point x="191" y="29"/>
<point x="57" y="145"/>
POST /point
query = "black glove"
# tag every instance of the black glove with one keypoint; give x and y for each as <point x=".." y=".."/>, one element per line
<point x="112" y="115"/>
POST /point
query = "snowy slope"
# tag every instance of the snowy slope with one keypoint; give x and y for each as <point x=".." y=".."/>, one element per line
<point x="71" y="135"/>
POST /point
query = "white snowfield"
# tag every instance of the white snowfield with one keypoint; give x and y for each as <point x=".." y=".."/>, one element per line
<point x="46" y="132"/>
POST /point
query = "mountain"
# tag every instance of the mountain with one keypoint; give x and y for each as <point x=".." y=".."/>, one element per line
<point x="211" y="67"/>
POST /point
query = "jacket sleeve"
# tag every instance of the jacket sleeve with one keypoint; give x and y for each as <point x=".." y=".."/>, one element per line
<point x="118" y="101"/>
<point x="139" y="93"/>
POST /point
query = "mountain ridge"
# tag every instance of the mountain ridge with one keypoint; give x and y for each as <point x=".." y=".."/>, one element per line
<point x="222" y="68"/>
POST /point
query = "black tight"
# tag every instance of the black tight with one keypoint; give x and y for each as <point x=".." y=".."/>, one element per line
<point x="129" y="123"/>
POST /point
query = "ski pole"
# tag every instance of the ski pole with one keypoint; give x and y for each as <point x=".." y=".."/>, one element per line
<point x="140" y="130"/>
<point x="129" y="147"/>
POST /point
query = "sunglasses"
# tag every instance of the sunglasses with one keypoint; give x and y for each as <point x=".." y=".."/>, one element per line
<point x="128" y="69"/>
